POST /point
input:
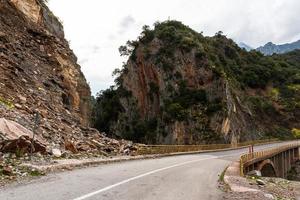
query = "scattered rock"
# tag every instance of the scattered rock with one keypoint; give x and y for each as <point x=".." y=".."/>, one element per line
<point x="269" y="196"/>
<point x="98" y="144"/>
<point x="56" y="153"/>
<point x="22" y="145"/>
<point x="254" y="173"/>
<point x="18" y="106"/>
<point x="22" y="99"/>
<point x="66" y="154"/>
<point x="260" y="182"/>
<point x="70" y="146"/>
<point x="17" y="139"/>
<point x="3" y="37"/>
<point x="7" y="170"/>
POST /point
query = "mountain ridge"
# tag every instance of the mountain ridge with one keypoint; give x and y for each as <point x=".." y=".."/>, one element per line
<point x="271" y="48"/>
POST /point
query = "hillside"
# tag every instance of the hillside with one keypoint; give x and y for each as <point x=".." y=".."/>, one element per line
<point x="179" y="87"/>
<point x="39" y="74"/>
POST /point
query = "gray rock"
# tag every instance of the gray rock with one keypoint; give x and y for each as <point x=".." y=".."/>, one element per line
<point x="260" y="182"/>
<point x="254" y="173"/>
<point x="269" y="196"/>
<point x="56" y="153"/>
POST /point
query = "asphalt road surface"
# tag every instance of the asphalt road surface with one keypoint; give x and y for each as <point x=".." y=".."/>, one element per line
<point x="184" y="177"/>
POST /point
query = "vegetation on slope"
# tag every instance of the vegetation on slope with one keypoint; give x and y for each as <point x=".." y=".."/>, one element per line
<point x="270" y="84"/>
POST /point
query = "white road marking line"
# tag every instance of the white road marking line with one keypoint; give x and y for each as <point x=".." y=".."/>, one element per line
<point x="153" y="172"/>
<point x="146" y="174"/>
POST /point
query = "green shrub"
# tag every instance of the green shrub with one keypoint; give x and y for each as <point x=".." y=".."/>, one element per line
<point x="214" y="107"/>
<point x="280" y="133"/>
<point x="262" y="105"/>
<point x="6" y="103"/>
<point x="153" y="88"/>
<point x="188" y="97"/>
<point x="106" y="109"/>
<point x="139" y="130"/>
<point x="166" y="65"/>
<point x="147" y="35"/>
<point x="296" y="133"/>
<point x="176" y="111"/>
<point x="188" y="43"/>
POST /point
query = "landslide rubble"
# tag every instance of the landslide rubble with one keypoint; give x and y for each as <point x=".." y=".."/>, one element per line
<point x="39" y="74"/>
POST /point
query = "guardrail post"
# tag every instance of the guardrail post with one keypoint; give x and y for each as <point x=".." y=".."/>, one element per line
<point x="251" y="150"/>
<point x="241" y="167"/>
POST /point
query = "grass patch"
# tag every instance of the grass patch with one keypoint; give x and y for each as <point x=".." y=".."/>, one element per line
<point x="221" y="177"/>
<point x="36" y="173"/>
<point x="6" y="103"/>
<point x="222" y="185"/>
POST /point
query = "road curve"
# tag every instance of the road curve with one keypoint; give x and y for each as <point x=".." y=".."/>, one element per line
<point x="184" y="177"/>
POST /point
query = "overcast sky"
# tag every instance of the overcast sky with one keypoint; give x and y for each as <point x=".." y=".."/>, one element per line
<point x="96" y="28"/>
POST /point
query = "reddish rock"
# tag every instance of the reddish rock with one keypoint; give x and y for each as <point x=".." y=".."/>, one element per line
<point x="70" y="146"/>
<point x="7" y="170"/>
<point x="82" y="146"/>
<point x="22" y="145"/>
<point x="17" y="138"/>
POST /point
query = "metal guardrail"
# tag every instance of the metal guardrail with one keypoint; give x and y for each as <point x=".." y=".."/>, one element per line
<point x="168" y="149"/>
<point x="246" y="158"/>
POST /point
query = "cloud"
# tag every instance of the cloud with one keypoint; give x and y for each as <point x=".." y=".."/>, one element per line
<point x="95" y="49"/>
<point x="83" y="61"/>
<point x="126" y="23"/>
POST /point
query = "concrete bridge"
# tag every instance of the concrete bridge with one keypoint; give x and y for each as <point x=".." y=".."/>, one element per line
<point x="272" y="163"/>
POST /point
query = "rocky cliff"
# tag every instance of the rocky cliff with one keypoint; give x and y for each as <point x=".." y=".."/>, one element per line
<point x="39" y="73"/>
<point x="179" y="87"/>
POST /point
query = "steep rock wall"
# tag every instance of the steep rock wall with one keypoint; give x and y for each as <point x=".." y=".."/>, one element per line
<point x="231" y="123"/>
<point x="39" y="72"/>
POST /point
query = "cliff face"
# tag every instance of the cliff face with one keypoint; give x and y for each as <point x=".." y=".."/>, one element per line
<point x="37" y="12"/>
<point x="180" y="99"/>
<point x="179" y="87"/>
<point x="38" y="71"/>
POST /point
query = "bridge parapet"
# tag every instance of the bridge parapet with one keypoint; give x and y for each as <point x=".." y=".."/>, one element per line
<point x="273" y="162"/>
<point x="169" y="149"/>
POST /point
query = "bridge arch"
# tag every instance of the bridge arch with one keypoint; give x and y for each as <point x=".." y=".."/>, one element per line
<point x="267" y="168"/>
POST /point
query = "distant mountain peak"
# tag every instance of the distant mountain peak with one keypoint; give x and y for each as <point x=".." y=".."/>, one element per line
<point x="270" y="44"/>
<point x="271" y="48"/>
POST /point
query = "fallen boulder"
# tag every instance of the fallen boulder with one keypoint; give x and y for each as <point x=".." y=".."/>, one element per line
<point x="56" y="153"/>
<point x="16" y="138"/>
